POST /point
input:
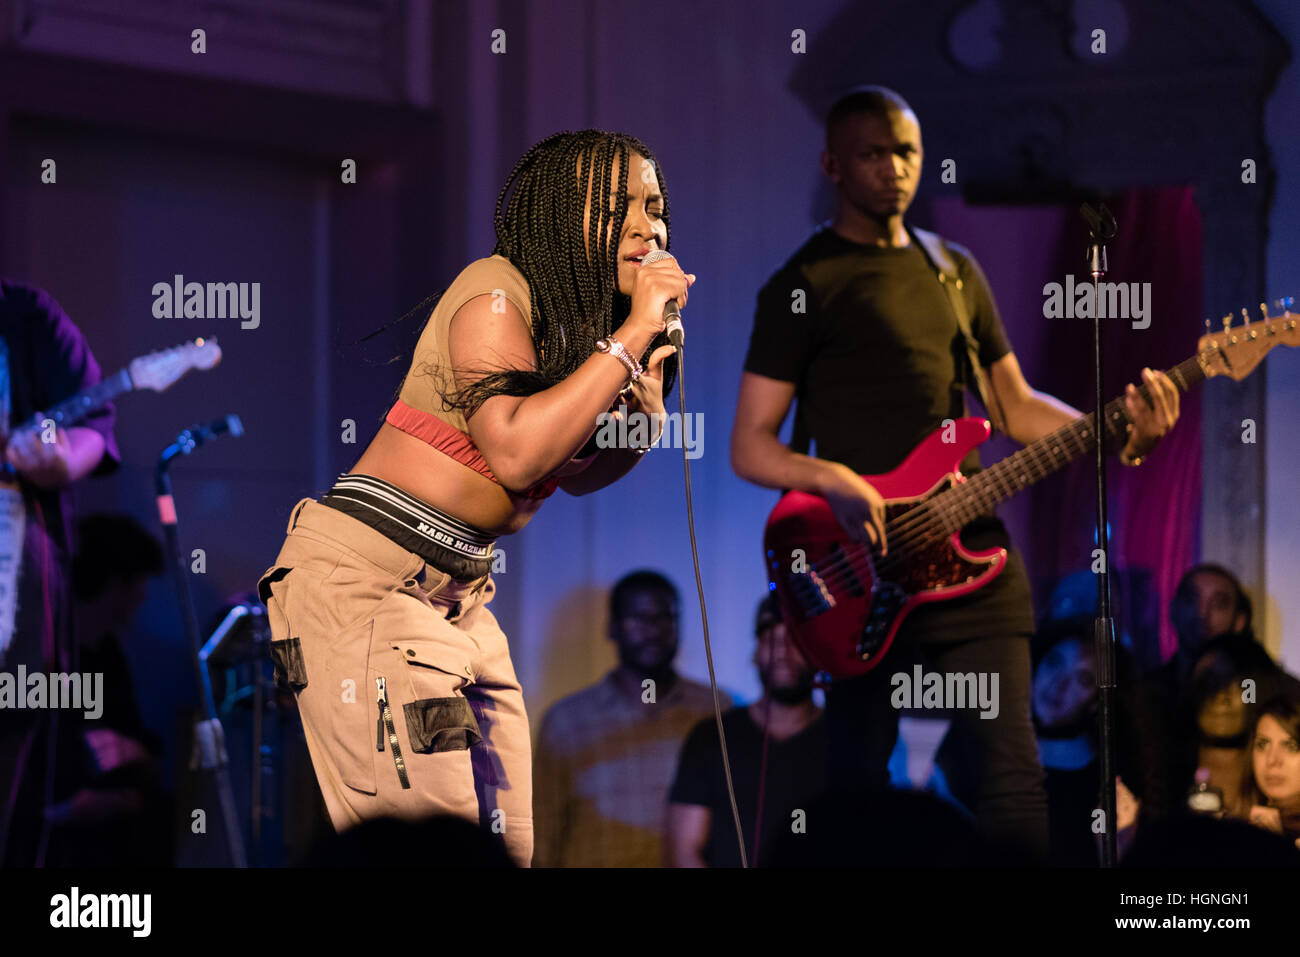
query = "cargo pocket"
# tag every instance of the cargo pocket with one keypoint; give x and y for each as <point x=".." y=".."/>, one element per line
<point x="441" y="724"/>
<point x="273" y="597"/>
<point x="344" y="705"/>
<point x="285" y="647"/>
<point x="438" y="663"/>
<point x="334" y="708"/>
<point x="423" y="668"/>
<point x="290" y="671"/>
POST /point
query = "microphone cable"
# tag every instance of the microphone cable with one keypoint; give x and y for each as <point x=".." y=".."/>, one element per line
<point x="676" y="340"/>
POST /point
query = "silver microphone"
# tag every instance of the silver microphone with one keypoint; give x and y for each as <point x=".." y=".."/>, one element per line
<point x="672" y="313"/>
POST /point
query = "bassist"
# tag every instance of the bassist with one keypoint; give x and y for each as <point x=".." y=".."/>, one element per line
<point x="857" y="326"/>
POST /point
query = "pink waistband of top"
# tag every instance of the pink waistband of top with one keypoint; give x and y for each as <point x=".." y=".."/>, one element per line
<point x="451" y="441"/>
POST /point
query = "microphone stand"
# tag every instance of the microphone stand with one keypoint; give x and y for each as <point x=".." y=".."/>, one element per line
<point x="209" y="752"/>
<point x="263" y="762"/>
<point x="1102" y="226"/>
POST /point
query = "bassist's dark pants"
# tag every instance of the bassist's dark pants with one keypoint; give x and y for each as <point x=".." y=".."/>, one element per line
<point x="862" y="725"/>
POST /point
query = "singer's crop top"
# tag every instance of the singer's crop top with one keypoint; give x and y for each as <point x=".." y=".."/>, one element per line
<point x="419" y="409"/>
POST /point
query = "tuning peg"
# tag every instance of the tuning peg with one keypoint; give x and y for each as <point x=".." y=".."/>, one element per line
<point x="1207" y="326"/>
<point x="1227" y="321"/>
<point x="1263" y="311"/>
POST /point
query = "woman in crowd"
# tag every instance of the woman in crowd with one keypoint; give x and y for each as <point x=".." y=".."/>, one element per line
<point x="1272" y="787"/>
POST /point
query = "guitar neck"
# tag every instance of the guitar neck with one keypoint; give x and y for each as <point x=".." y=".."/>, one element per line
<point x="997" y="483"/>
<point x="71" y="411"/>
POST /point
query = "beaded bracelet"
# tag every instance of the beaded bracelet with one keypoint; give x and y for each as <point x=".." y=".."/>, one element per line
<point x="613" y="347"/>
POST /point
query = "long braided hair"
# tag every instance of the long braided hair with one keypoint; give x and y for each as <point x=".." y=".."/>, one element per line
<point x="574" y="300"/>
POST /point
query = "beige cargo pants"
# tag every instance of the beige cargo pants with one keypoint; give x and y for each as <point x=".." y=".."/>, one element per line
<point x="403" y="680"/>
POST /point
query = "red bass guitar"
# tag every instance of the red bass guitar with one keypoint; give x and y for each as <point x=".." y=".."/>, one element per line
<point x="844" y="603"/>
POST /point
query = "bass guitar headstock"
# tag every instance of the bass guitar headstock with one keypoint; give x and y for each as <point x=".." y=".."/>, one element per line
<point x="1235" y="352"/>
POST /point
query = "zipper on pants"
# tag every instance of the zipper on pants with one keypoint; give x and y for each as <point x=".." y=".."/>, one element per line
<point x="385" y="723"/>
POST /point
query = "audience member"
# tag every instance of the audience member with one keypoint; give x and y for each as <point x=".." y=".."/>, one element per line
<point x="606" y="754"/>
<point x="110" y="807"/>
<point x="1272" y="788"/>
<point x="777" y="751"/>
<point x="1209" y="604"/>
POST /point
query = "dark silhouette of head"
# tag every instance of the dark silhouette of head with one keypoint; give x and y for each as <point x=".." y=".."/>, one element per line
<point x="1208" y="603"/>
<point x="783" y="670"/>
<point x="115" y="558"/>
<point x="643" y="623"/>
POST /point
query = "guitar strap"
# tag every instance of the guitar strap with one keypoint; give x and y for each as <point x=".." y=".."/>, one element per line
<point x="937" y="255"/>
<point x="946" y="270"/>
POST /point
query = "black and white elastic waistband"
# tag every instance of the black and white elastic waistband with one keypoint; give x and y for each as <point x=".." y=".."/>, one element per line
<point x="405" y="518"/>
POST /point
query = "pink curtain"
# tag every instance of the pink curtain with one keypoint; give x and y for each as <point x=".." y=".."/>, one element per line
<point x="1154" y="509"/>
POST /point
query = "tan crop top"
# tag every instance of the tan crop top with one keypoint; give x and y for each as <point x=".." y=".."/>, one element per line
<point x="419" y="409"/>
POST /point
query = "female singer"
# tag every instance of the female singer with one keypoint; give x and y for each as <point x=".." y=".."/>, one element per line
<point x="378" y="599"/>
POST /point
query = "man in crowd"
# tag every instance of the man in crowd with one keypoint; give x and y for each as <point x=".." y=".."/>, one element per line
<point x="606" y="754"/>
<point x="777" y="749"/>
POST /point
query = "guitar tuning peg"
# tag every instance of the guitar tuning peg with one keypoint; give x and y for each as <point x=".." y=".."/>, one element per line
<point x="1227" y="321"/>
<point x="1263" y="310"/>
<point x="1289" y="301"/>
<point x="1207" y="326"/>
<point x="1245" y="316"/>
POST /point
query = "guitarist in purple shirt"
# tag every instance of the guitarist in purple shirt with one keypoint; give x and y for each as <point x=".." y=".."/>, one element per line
<point x="45" y="360"/>
<point x="857" y="326"/>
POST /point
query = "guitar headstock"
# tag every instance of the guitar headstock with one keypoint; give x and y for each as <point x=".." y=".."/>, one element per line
<point x="158" y="370"/>
<point x="1235" y="352"/>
